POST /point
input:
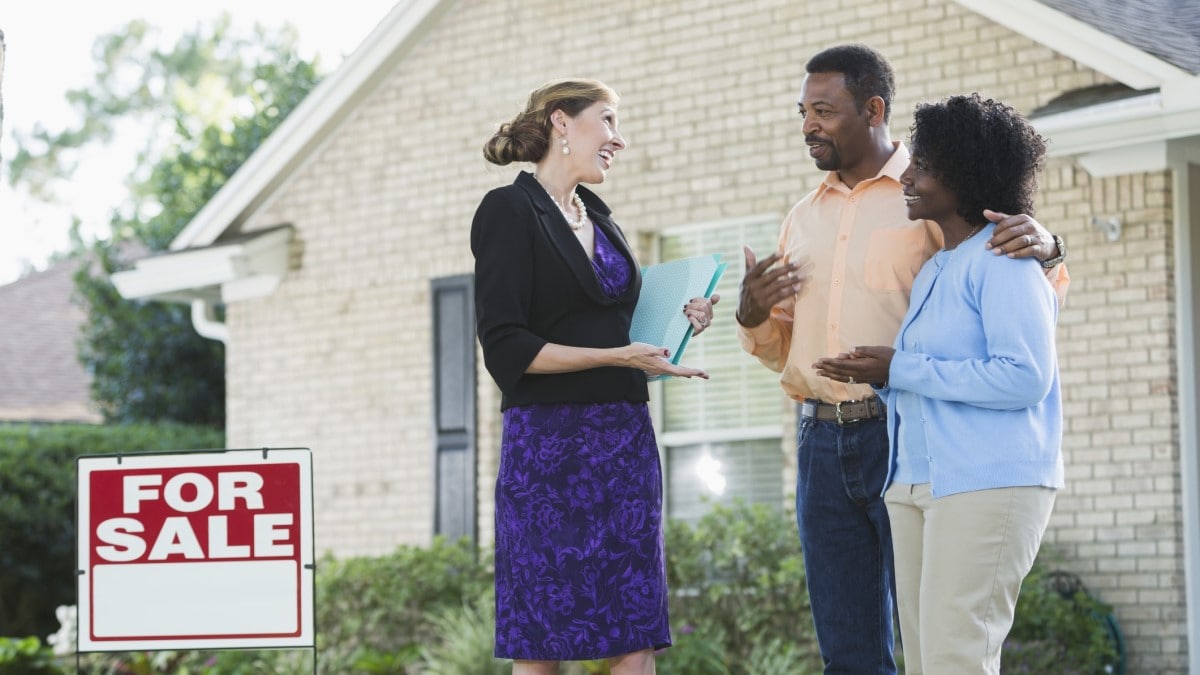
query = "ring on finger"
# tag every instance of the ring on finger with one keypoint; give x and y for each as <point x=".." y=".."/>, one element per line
<point x="850" y="381"/>
<point x="1028" y="240"/>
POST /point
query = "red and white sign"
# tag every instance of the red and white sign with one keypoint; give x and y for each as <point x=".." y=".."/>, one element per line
<point x="201" y="550"/>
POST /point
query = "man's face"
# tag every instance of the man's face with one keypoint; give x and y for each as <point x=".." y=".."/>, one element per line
<point x="836" y="133"/>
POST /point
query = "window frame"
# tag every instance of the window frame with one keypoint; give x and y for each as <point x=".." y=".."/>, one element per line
<point x="668" y="439"/>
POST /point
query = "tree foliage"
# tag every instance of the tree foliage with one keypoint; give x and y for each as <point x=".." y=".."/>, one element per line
<point x="37" y="509"/>
<point x="209" y="100"/>
<point x="207" y="76"/>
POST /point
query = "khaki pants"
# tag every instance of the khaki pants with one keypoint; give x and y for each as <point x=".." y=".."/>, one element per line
<point x="960" y="561"/>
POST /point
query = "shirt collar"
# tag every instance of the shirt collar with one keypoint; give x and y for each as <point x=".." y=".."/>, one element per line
<point x="892" y="168"/>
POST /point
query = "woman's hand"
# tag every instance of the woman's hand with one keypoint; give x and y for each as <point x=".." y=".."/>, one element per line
<point x="656" y="361"/>
<point x="865" y="365"/>
<point x="699" y="312"/>
<point x="555" y="358"/>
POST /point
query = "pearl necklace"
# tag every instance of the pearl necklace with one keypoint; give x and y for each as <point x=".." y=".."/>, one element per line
<point x="575" y="199"/>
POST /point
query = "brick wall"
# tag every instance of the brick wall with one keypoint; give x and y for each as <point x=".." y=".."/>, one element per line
<point x="1118" y="523"/>
<point x="338" y="359"/>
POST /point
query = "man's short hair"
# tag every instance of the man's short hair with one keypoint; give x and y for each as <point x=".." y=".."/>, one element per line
<point x="866" y="71"/>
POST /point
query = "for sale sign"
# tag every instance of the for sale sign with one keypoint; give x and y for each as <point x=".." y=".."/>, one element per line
<point x="198" y="550"/>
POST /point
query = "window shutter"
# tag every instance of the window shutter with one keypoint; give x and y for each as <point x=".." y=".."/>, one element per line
<point x="454" y="405"/>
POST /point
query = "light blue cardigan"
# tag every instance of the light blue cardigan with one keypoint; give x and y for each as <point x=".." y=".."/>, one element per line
<point x="986" y="372"/>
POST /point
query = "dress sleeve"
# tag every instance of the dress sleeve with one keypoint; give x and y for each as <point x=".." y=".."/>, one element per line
<point x="502" y="243"/>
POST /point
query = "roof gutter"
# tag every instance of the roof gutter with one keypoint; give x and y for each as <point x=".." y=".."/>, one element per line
<point x="249" y="267"/>
<point x="1111" y="138"/>
<point x="1121" y="137"/>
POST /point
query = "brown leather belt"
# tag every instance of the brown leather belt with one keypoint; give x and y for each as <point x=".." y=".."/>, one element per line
<point x="846" y="412"/>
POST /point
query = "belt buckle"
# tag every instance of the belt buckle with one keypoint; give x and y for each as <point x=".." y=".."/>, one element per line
<point x="837" y="408"/>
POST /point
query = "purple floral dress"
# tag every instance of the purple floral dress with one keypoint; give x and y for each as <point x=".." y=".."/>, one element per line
<point x="580" y="569"/>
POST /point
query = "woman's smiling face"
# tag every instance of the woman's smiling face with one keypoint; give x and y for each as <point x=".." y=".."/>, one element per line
<point x="594" y="140"/>
<point x="926" y="196"/>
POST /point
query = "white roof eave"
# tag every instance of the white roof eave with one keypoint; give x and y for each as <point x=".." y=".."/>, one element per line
<point x="246" y="269"/>
<point x="1134" y="131"/>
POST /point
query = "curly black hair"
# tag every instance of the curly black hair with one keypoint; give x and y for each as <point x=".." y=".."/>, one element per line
<point x="983" y="151"/>
<point x="866" y="72"/>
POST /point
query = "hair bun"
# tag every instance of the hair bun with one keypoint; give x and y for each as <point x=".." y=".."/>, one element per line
<point x="524" y="139"/>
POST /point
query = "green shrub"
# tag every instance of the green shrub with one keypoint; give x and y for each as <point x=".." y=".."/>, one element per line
<point x="202" y="662"/>
<point x="1059" y="628"/>
<point x="243" y="662"/>
<point x="37" y="508"/>
<point x="26" y="656"/>
<point x="775" y="657"/>
<point x="465" y="641"/>
<point x="692" y="654"/>
<point x="368" y="608"/>
<point x="738" y="583"/>
<point x="738" y="606"/>
<point x="374" y="616"/>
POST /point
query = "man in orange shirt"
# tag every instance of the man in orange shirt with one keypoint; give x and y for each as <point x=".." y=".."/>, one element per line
<point x="841" y="277"/>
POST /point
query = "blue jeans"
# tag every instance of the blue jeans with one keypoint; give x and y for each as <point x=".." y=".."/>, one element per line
<point x="847" y="542"/>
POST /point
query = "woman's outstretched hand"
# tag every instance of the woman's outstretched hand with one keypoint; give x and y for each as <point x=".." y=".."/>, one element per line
<point x="656" y="361"/>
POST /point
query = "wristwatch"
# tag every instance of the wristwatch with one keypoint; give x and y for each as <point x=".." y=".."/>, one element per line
<point x="1062" y="253"/>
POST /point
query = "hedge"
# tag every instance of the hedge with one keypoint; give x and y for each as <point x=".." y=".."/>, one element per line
<point x="37" y="508"/>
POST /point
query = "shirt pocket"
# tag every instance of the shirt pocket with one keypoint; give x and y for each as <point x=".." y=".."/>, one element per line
<point x="894" y="256"/>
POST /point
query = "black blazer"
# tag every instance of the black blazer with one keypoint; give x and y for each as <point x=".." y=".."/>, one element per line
<point x="535" y="284"/>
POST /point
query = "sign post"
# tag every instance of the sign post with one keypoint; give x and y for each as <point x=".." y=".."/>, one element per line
<point x="197" y="550"/>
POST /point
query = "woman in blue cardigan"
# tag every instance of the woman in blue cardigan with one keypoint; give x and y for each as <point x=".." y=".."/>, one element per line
<point x="580" y="566"/>
<point x="973" y="400"/>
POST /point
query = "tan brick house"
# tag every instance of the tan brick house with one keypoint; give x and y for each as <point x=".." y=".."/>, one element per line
<point x="340" y="253"/>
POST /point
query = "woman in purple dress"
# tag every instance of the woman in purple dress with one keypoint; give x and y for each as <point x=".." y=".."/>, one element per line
<point x="580" y="569"/>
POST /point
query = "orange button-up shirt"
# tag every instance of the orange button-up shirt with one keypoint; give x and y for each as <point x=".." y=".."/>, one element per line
<point x="862" y="254"/>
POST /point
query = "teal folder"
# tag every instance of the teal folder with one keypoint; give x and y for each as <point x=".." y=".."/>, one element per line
<point x="658" y="318"/>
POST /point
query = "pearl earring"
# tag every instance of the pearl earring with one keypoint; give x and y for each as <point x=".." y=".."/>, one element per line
<point x="565" y="149"/>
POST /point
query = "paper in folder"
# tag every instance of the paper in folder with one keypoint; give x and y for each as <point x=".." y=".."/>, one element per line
<point x="658" y="318"/>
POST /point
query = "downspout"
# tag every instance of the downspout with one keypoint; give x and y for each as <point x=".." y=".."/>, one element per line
<point x="204" y="319"/>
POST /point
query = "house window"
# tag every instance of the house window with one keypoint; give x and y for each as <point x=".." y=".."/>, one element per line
<point x="721" y="438"/>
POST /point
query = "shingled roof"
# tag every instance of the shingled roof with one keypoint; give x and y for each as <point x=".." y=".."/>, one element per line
<point x="1168" y="29"/>
<point x="41" y="379"/>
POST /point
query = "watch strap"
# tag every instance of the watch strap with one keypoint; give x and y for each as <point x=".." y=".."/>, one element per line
<point x="1062" y="253"/>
